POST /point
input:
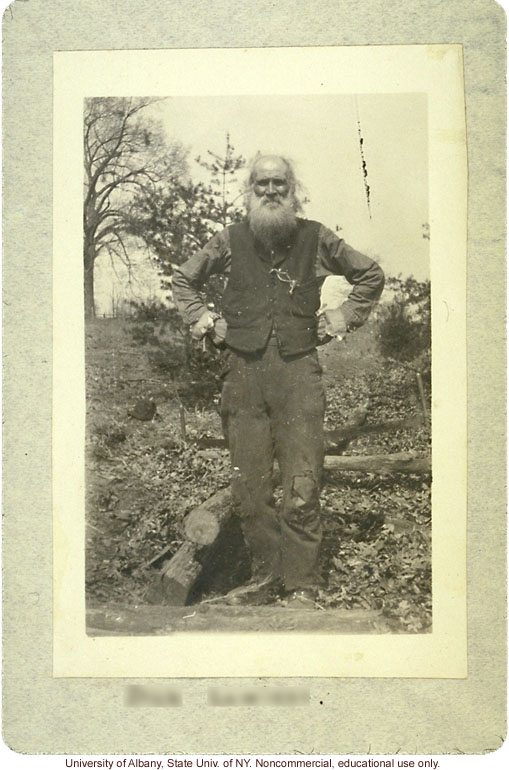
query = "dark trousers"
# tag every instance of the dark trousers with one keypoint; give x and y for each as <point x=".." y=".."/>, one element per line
<point x="274" y="407"/>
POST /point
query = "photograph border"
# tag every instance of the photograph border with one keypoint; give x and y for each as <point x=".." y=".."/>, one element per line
<point x="437" y="70"/>
<point x="446" y="715"/>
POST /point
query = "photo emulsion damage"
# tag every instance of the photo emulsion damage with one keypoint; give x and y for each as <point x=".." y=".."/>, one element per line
<point x="258" y="364"/>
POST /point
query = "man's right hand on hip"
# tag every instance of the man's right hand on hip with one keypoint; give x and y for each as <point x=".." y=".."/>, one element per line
<point x="210" y="323"/>
<point x="204" y="324"/>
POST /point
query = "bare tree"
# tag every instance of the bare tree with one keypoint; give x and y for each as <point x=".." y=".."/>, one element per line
<point x="125" y="153"/>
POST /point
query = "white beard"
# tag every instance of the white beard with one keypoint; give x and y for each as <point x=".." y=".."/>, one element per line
<point x="272" y="222"/>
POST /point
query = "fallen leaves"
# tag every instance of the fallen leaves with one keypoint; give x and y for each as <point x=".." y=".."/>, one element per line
<point x="144" y="479"/>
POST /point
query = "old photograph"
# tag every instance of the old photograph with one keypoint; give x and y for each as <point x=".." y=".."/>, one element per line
<point x="254" y="382"/>
<point x="243" y="443"/>
<point x="258" y="363"/>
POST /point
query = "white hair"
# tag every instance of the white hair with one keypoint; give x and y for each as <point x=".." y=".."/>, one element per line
<point x="296" y="187"/>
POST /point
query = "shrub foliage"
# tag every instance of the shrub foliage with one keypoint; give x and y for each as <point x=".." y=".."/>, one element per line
<point x="405" y="322"/>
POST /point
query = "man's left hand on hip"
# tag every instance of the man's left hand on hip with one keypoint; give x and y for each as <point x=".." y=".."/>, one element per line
<point x="331" y="323"/>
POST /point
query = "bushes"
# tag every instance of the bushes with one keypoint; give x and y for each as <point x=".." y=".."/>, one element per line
<point x="405" y="323"/>
<point x="171" y="350"/>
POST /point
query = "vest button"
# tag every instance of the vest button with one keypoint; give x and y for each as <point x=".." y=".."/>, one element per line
<point x="269" y="315"/>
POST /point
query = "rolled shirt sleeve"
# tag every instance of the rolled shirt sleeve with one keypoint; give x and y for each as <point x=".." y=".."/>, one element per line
<point x="189" y="278"/>
<point x="335" y="257"/>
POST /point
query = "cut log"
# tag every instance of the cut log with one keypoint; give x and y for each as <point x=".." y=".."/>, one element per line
<point x="401" y="462"/>
<point x="202" y="525"/>
<point x="176" y="578"/>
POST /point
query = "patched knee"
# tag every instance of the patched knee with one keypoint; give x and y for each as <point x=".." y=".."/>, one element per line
<point x="304" y="491"/>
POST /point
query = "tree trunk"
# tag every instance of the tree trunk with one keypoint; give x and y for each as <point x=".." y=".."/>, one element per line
<point x="89" y="262"/>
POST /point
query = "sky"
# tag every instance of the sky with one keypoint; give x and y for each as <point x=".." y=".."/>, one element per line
<point x="320" y="133"/>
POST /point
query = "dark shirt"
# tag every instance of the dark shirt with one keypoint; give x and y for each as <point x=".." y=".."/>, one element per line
<point x="334" y="257"/>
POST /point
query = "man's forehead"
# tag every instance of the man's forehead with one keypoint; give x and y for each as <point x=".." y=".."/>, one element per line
<point x="270" y="165"/>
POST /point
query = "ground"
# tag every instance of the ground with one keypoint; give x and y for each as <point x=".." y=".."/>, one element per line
<point x="143" y="477"/>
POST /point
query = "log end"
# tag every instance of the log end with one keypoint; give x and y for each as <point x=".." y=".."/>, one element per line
<point x="201" y="527"/>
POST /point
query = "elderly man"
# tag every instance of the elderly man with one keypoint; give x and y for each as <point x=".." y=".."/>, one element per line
<point x="273" y="399"/>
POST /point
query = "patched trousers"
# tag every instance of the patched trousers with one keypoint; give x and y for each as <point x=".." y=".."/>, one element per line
<point x="273" y="407"/>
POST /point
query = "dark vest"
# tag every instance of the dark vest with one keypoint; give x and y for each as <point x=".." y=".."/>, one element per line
<point x="258" y="298"/>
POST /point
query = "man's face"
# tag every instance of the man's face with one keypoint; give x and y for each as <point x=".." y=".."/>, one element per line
<point x="271" y="203"/>
<point x="270" y="183"/>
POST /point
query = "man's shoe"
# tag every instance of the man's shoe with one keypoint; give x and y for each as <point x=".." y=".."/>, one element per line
<point x="302" y="599"/>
